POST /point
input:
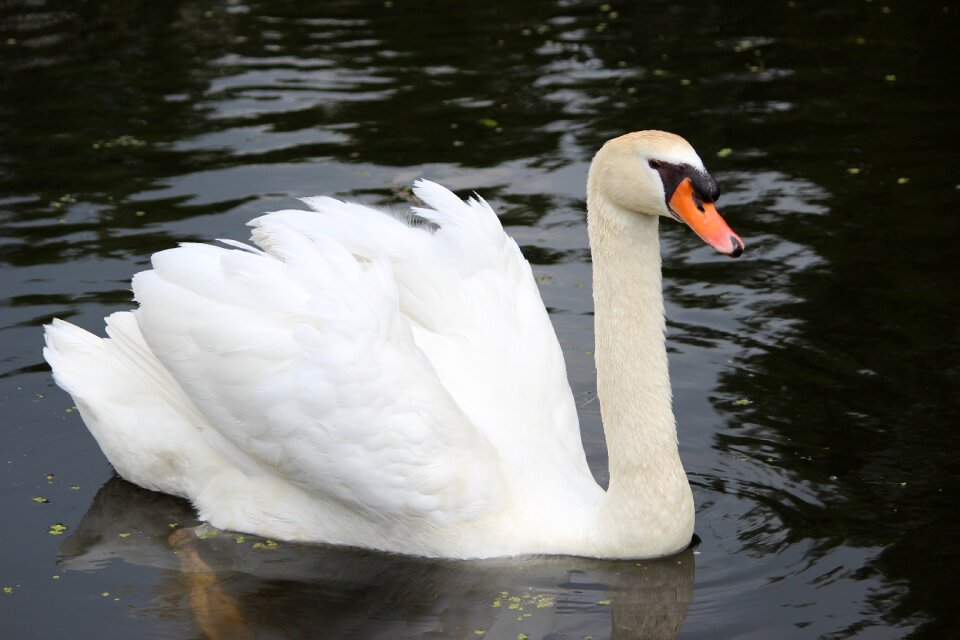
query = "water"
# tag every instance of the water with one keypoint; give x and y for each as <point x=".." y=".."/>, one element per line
<point x="815" y="378"/>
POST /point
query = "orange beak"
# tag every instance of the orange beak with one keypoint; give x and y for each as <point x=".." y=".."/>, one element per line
<point x="703" y="218"/>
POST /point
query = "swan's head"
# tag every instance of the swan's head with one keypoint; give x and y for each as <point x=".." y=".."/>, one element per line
<point x="658" y="173"/>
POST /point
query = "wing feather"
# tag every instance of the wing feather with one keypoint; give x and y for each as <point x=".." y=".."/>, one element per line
<point x="401" y="368"/>
<point x="474" y="309"/>
<point x="302" y="362"/>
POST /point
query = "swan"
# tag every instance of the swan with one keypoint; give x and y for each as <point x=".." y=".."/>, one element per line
<point x="361" y="378"/>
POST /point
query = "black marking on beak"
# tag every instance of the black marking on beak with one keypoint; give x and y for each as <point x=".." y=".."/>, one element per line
<point x="705" y="188"/>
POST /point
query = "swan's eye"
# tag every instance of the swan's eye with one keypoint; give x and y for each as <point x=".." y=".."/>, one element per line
<point x="655" y="164"/>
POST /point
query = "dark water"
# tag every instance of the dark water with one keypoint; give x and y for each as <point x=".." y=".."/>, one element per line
<point x="815" y="378"/>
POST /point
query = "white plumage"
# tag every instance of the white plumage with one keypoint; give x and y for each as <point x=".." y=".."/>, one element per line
<point x="354" y="378"/>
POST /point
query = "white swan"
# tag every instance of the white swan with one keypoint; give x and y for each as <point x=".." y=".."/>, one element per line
<point x="361" y="380"/>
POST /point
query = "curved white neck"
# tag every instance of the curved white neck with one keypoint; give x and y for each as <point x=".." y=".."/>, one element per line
<point x="649" y="506"/>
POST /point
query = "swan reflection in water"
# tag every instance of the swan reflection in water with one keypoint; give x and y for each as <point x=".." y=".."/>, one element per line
<point x="236" y="586"/>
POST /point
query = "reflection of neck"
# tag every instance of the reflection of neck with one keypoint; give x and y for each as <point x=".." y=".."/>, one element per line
<point x="651" y="598"/>
<point x="649" y="507"/>
<point x="216" y="612"/>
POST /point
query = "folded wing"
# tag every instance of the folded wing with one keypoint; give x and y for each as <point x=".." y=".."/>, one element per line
<point x="404" y="368"/>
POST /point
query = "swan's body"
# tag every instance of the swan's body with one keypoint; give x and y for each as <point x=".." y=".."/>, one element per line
<point x="360" y="380"/>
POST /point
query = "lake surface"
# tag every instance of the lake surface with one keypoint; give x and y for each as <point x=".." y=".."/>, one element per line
<point x="815" y="378"/>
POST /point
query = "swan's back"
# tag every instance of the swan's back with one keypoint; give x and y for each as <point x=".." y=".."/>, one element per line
<point x="360" y="377"/>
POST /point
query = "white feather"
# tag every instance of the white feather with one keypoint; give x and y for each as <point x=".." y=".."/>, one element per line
<point x="392" y="382"/>
<point x="355" y="358"/>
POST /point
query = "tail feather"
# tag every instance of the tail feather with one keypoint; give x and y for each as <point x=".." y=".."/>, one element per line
<point x="139" y="416"/>
<point x="64" y="338"/>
